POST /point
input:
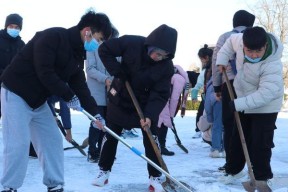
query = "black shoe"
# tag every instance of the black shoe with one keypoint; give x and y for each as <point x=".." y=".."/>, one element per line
<point x="9" y="190"/>
<point x="58" y="188"/>
<point x="93" y="158"/>
<point x="223" y="168"/>
<point x="209" y="142"/>
<point x="165" y="151"/>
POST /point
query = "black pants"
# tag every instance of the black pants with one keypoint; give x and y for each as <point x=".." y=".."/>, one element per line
<point x="96" y="136"/>
<point x="199" y="114"/>
<point x="32" y="151"/>
<point x="162" y="134"/>
<point x="109" y="148"/>
<point x="259" y="132"/>
<point x="228" y="120"/>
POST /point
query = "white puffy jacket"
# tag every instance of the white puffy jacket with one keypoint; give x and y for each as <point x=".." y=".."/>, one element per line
<point x="259" y="86"/>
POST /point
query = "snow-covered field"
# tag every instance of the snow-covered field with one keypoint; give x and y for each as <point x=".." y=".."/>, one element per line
<point x="129" y="172"/>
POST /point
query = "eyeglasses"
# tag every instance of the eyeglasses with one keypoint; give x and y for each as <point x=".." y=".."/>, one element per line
<point x="161" y="56"/>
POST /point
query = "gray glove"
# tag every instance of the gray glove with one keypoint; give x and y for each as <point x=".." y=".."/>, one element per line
<point x="99" y="118"/>
<point x="74" y="103"/>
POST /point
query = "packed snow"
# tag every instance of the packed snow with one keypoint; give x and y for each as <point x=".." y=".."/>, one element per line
<point x="129" y="173"/>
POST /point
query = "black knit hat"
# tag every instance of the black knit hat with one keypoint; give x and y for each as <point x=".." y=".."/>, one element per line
<point x="192" y="75"/>
<point x="243" y="18"/>
<point x="14" y="19"/>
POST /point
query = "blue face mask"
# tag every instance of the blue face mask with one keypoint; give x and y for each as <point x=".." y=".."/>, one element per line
<point x="13" y="32"/>
<point x="256" y="60"/>
<point x="91" y="45"/>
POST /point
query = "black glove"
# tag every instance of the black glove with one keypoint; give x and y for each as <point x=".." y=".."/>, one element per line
<point x="217" y="89"/>
<point x="232" y="106"/>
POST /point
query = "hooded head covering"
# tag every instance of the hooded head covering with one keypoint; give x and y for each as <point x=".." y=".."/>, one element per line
<point x="14" y="19"/>
<point x="243" y="18"/>
<point x="164" y="38"/>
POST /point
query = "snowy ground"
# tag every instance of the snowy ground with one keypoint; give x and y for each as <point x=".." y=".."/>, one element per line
<point x="129" y="172"/>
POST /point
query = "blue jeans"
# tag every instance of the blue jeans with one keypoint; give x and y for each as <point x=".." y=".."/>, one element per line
<point x="64" y="110"/>
<point x="217" y="129"/>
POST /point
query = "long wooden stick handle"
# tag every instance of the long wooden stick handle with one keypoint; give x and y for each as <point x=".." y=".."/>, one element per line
<point x="241" y="134"/>
<point x="148" y="131"/>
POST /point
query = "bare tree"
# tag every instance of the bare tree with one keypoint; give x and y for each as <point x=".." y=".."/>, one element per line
<point x="273" y="16"/>
<point x="285" y="74"/>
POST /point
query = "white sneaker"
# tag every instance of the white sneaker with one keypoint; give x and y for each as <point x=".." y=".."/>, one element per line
<point x="229" y="179"/>
<point x="155" y="184"/>
<point x="217" y="154"/>
<point x="197" y="135"/>
<point x="101" y="179"/>
<point x="58" y="188"/>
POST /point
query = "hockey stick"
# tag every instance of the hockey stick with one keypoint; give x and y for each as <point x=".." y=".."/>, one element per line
<point x="173" y="128"/>
<point x="137" y="152"/>
<point x="248" y="185"/>
<point x="74" y="143"/>
<point x="59" y="123"/>
<point x="153" y="143"/>
<point x="83" y="145"/>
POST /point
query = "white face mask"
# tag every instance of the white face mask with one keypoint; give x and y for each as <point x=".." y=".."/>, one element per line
<point x="13" y="32"/>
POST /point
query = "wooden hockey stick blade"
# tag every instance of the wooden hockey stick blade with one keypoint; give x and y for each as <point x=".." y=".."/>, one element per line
<point x="83" y="145"/>
<point x="182" y="147"/>
<point x="77" y="146"/>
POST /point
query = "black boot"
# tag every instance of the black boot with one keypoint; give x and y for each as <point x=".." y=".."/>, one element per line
<point x="223" y="168"/>
<point x="93" y="158"/>
<point x="165" y="151"/>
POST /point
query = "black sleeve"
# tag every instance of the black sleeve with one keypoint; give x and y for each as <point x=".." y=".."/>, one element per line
<point x="78" y="84"/>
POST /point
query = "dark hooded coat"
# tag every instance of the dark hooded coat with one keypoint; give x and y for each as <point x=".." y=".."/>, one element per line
<point x="149" y="80"/>
<point x="9" y="46"/>
<point x="51" y="63"/>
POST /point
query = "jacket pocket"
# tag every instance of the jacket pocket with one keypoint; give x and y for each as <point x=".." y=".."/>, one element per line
<point x="119" y="95"/>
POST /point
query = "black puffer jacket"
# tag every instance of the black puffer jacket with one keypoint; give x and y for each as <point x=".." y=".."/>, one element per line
<point x="9" y="46"/>
<point x="149" y="80"/>
<point x="51" y="63"/>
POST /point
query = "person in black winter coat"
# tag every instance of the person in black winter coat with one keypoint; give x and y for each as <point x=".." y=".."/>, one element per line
<point x="146" y="63"/>
<point x="10" y="41"/>
<point x="50" y="64"/>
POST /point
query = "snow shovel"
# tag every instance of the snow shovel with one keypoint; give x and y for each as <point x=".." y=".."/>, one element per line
<point x="251" y="185"/>
<point x="167" y="185"/>
<point x="137" y="152"/>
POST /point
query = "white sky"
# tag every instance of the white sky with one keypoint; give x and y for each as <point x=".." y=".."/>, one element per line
<point x="197" y="23"/>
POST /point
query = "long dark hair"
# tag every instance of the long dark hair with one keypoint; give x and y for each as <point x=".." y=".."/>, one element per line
<point x="203" y="53"/>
